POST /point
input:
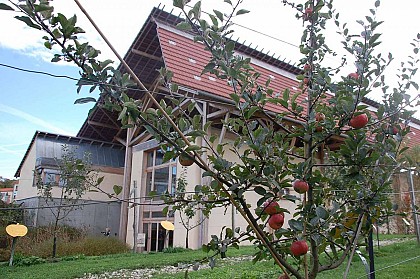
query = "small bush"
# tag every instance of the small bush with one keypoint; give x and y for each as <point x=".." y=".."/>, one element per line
<point x="27" y="261"/>
<point x="73" y="258"/>
<point x="4" y="255"/>
<point x="70" y="243"/>
<point x="175" y="250"/>
<point x="103" y="246"/>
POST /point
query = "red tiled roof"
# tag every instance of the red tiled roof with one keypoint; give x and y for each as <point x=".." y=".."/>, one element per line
<point x="158" y="38"/>
<point x="188" y="73"/>
<point x="187" y="59"/>
<point x="413" y="138"/>
<point x="6" y="189"/>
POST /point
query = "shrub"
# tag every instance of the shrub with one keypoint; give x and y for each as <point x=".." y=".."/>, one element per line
<point x="10" y="216"/>
<point x="71" y="242"/>
<point x="96" y="246"/>
<point x="20" y="260"/>
<point x="175" y="250"/>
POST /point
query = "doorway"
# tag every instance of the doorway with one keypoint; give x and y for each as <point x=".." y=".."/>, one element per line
<point x="157" y="238"/>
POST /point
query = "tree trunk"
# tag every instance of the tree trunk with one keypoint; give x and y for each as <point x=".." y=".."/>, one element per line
<point x="54" y="250"/>
<point x="186" y="239"/>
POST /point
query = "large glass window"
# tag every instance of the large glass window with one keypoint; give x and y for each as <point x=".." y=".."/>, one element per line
<point x="160" y="176"/>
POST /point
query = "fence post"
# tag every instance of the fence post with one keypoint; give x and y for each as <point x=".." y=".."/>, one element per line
<point x="413" y="206"/>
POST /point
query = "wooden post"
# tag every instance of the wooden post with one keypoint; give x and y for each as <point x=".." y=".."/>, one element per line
<point x="413" y="206"/>
<point x="12" y="253"/>
<point x="126" y="190"/>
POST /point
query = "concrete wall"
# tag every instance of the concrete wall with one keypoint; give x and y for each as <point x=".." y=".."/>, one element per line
<point x="93" y="217"/>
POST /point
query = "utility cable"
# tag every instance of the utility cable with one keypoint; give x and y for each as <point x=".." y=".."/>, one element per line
<point x="389" y="266"/>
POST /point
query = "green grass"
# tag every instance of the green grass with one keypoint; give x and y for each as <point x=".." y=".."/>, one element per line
<point x="387" y="255"/>
<point x="100" y="264"/>
<point x="394" y="236"/>
<point x="384" y="257"/>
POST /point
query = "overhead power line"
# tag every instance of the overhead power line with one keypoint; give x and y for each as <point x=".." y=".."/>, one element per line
<point x="38" y="72"/>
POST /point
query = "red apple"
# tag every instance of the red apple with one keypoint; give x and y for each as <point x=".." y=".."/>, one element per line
<point x="284" y="276"/>
<point x="299" y="248"/>
<point x="300" y="186"/>
<point x="307" y="14"/>
<point x="354" y="75"/>
<point x="394" y="129"/>
<point x="185" y="160"/>
<point x="276" y="221"/>
<point x="306" y="81"/>
<point x="307" y="67"/>
<point x="319" y="116"/>
<point x="359" y="121"/>
<point x="271" y="207"/>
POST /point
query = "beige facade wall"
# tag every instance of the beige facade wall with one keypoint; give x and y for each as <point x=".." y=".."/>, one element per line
<point x="26" y="188"/>
<point x="193" y="177"/>
<point x="219" y="217"/>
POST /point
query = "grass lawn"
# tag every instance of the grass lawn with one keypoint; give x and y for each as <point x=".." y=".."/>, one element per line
<point x="100" y="264"/>
<point x="385" y="256"/>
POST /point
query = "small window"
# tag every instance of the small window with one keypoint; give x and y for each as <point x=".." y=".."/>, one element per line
<point x="50" y="178"/>
<point x="158" y="214"/>
<point x="160" y="176"/>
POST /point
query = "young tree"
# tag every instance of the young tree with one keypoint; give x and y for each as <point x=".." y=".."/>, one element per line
<point x="63" y="194"/>
<point x="189" y="206"/>
<point x="334" y="205"/>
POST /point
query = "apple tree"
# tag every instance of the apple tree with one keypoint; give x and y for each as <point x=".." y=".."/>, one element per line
<point x="63" y="190"/>
<point x="342" y="188"/>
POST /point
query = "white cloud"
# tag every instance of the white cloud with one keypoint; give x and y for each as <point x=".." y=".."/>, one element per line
<point x="33" y="119"/>
<point x="13" y="152"/>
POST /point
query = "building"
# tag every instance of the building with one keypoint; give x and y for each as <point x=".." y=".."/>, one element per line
<point x="160" y="44"/>
<point x="42" y="156"/>
<point x="6" y="195"/>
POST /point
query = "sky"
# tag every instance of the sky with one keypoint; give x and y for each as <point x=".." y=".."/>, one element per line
<point x="31" y="102"/>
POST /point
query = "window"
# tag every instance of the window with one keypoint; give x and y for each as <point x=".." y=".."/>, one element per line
<point x="160" y="176"/>
<point x="50" y="178"/>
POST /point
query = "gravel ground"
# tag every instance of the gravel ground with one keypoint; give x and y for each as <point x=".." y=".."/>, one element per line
<point x="149" y="272"/>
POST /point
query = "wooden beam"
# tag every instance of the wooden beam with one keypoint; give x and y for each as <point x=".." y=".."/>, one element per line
<point x="223" y="132"/>
<point x="120" y="140"/>
<point x="99" y="133"/>
<point x="125" y="195"/>
<point x="147" y="55"/>
<point x="217" y="113"/>
<point x="141" y="137"/>
<point x="100" y="124"/>
<point x="110" y="118"/>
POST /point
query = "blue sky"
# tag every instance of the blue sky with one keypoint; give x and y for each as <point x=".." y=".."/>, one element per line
<point x="31" y="102"/>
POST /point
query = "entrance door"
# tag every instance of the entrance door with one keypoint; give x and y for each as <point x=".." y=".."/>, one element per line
<point x="157" y="238"/>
